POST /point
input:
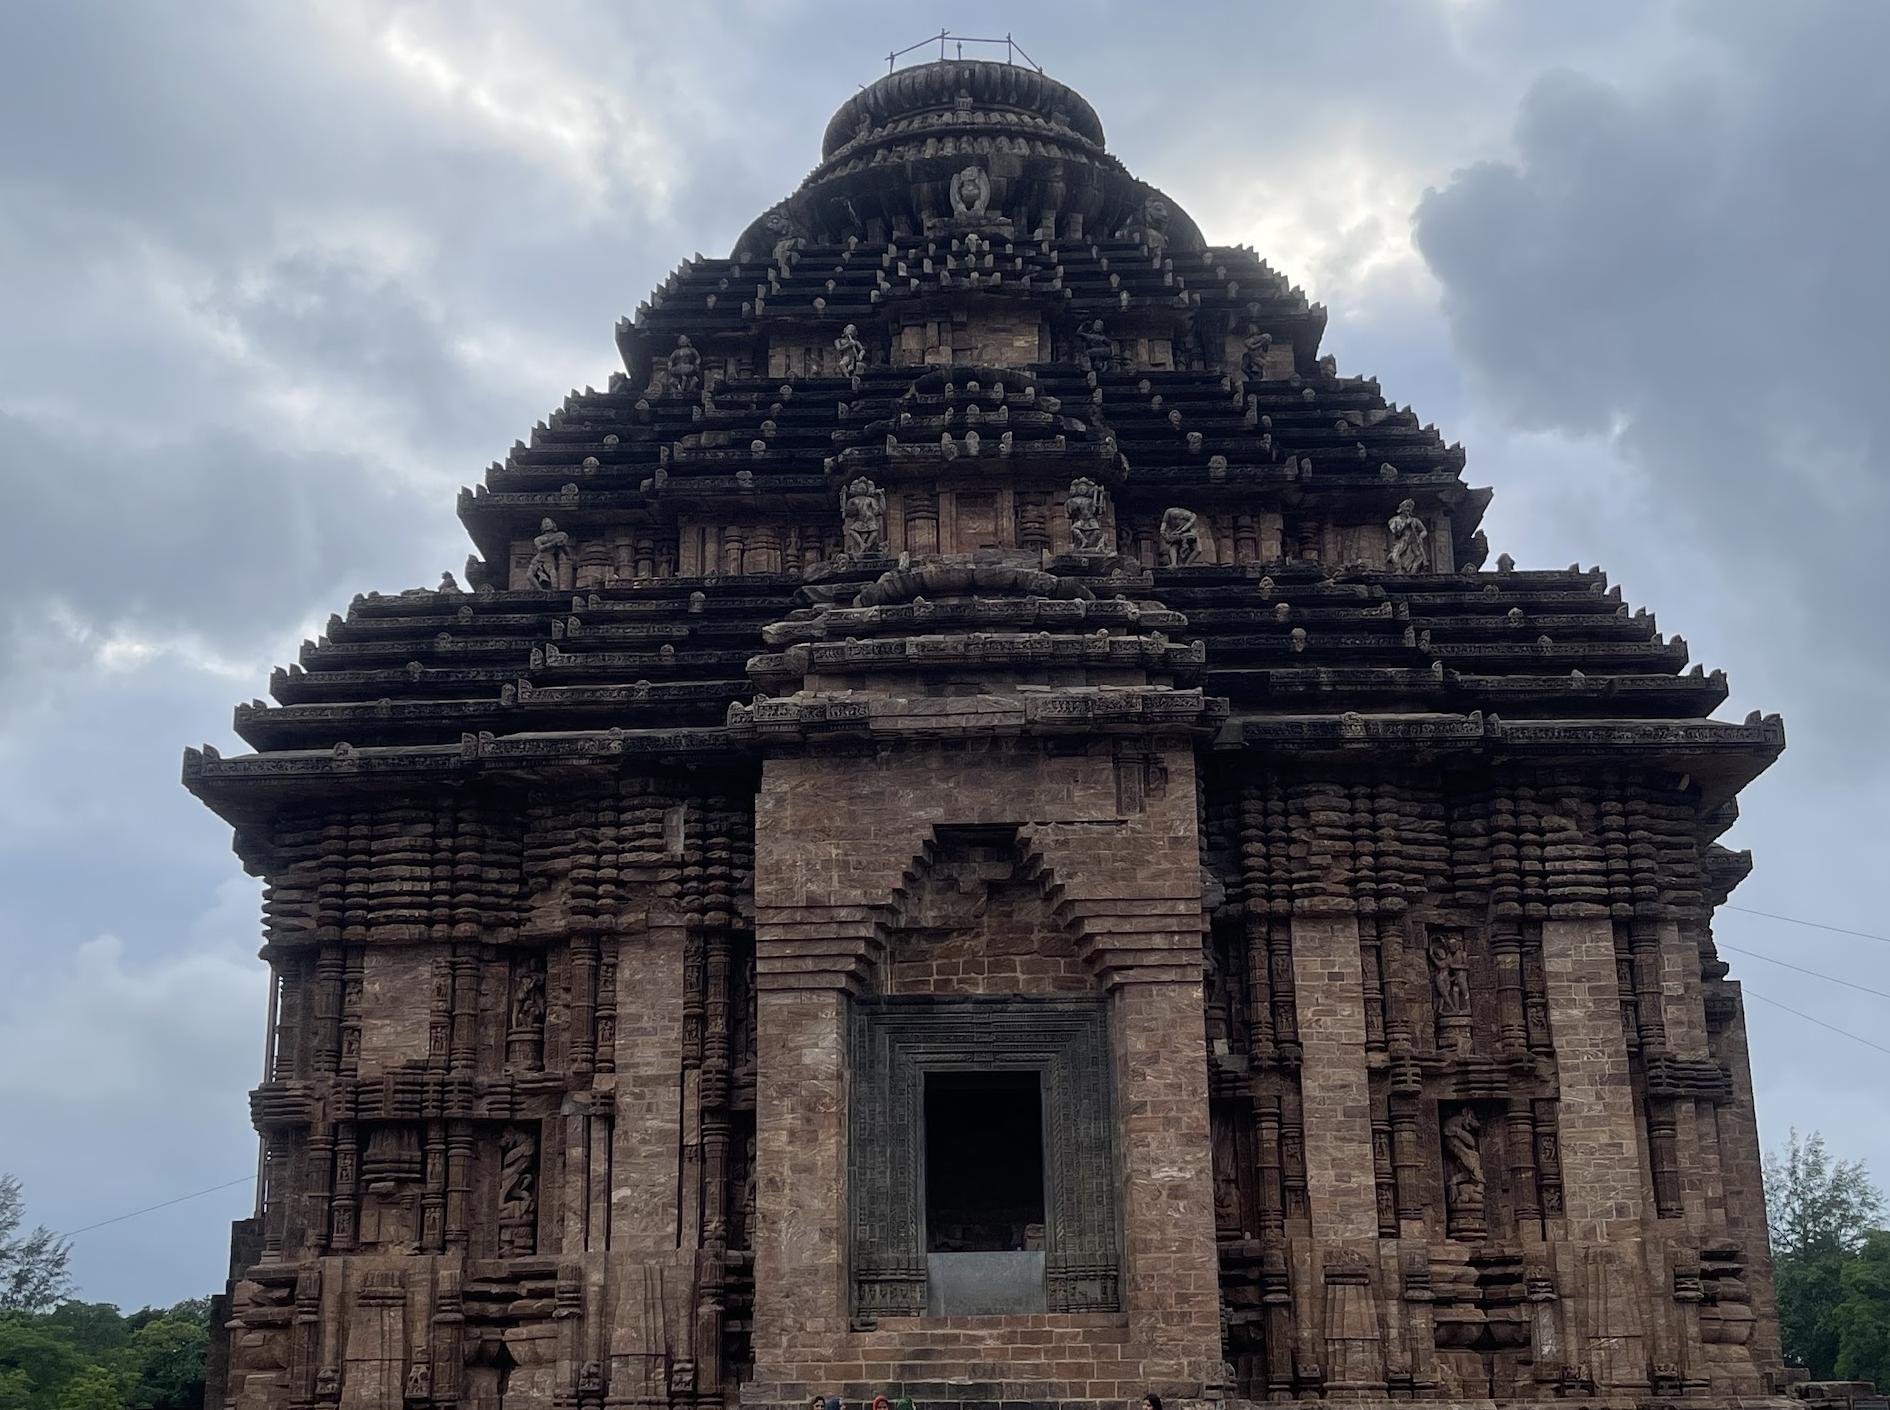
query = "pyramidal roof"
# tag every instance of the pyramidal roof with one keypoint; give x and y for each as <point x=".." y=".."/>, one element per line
<point x="970" y="305"/>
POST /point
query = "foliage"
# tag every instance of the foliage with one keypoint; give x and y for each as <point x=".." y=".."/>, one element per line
<point x="1863" y="1313"/>
<point x="1822" y="1213"/>
<point x="89" y="1356"/>
<point x="33" y="1264"/>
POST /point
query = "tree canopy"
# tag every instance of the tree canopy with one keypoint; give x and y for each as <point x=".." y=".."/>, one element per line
<point x="1831" y="1261"/>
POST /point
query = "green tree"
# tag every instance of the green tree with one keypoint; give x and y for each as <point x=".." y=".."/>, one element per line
<point x="1820" y="1211"/>
<point x="33" y="1264"/>
<point x="167" y="1357"/>
<point x="1863" y="1313"/>
<point x="35" y="1363"/>
<point x="93" y="1388"/>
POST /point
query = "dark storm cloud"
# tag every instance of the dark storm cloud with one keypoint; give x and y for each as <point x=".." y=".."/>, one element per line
<point x="1668" y="299"/>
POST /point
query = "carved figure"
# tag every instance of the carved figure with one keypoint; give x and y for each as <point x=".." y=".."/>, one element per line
<point x="528" y="999"/>
<point x="518" y="1191"/>
<point x="748" y="1195"/>
<point x="1450" y="975"/>
<point x="1098" y="351"/>
<point x="1181" y="537"/>
<point x="971" y="191"/>
<point x="1087" y="504"/>
<point x="682" y="374"/>
<point x="1150" y="225"/>
<point x="863" y="518"/>
<point x="551" y="557"/>
<point x="1253" y="356"/>
<point x="1465" y="1160"/>
<point x="420" y="1380"/>
<point x="1479" y="551"/>
<point x="788" y="239"/>
<point x="1408" y="553"/>
<point x="851" y="351"/>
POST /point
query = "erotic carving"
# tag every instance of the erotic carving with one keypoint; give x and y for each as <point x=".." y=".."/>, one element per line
<point x="1450" y="975"/>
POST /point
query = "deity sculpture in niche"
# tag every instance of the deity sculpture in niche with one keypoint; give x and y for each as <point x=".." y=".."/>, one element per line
<point x="1408" y="553"/>
<point x="518" y="1192"/>
<point x="1463" y="1174"/>
<point x="1087" y="504"/>
<point x="863" y="521"/>
<point x="682" y="373"/>
<point x="1099" y="351"/>
<point x="849" y="351"/>
<point x="1253" y="356"/>
<point x="971" y="192"/>
<point x="1181" y="537"/>
<point x="550" y="565"/>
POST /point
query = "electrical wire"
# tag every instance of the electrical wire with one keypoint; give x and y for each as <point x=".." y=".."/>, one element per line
<point x="150" y="1208"/>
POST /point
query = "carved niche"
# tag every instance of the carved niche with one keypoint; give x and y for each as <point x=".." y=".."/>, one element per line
<point x="895" y="1043"/>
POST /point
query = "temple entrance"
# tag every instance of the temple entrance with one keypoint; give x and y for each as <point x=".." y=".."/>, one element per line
<point x="983" y="1162"/>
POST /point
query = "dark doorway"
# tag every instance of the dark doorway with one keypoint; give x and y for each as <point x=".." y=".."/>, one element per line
<point x="983" y="1162"/>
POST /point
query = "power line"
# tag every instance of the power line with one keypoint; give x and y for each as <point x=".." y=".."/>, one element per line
<point x="149" y="1208"/>
<point x="1815" y="925"/>
<point x="1842" y="1032"/>
<point x="1787" y="964"/>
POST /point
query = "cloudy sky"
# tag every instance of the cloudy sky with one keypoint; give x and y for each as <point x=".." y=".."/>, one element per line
<point x="276" y="279"/>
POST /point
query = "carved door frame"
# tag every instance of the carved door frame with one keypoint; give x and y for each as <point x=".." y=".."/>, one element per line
<point x="895" y="1042"/>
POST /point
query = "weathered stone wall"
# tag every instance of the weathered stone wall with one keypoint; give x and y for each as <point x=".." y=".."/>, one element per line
<point x="838" y="839"/>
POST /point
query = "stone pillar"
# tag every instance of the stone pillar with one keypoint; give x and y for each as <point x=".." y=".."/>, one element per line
<point x="648" y="1057"/>
<point x="1341" y="1193"/>
<point x="800" y="1193"/>
<point x="1173" y="1294"/>
<point x="1601" y="1167"/>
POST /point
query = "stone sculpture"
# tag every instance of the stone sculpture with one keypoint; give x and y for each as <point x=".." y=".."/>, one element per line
<point x="1253" y="356"/>
<point x="1086" y="505"/>
<point x="788" y="239"/>
<point x="1408" y="552"/>
<point x="1098" y="350"/>
<point x="518" y="1192"/>
<point x="971" y="191"/>
<point x="682" y="377"/>
<point x="850" y="352"/>
<point x="863" y="519"/>
<point x="1463" y="1163"/>
<point x="550" y="565"/>
<point x="1181" y="538"/>
<point x="1450" y="975"/>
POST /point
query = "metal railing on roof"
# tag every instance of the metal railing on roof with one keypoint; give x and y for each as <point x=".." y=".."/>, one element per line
<point x="1012" y="49"/>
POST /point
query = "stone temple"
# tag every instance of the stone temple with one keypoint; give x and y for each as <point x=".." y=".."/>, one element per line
<point x="980" y="829"/>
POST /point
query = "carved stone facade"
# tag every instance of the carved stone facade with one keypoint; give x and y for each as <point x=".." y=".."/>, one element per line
<point x="980" y="663"/>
